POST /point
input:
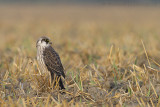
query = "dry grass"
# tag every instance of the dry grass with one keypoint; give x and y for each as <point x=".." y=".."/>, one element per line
<point x="111" y="55"/>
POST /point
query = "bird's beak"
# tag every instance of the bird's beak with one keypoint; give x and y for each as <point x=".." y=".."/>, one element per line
<point x="50" y="42"/>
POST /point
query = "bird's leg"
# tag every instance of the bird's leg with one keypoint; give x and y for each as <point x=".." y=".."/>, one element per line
<point x="53" y="80"/>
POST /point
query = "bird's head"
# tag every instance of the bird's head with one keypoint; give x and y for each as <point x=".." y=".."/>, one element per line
<point x="43" y="41"/>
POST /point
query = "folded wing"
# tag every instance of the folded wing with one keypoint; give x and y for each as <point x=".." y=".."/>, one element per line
<point x="53" y="62"/>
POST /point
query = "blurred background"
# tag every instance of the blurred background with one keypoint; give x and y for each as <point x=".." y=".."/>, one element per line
<point x="88" y="22"/>
<point x="87" y="1"/>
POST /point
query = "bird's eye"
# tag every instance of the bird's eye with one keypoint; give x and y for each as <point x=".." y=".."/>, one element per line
<point x="43" y="39"/>
<point x="47" y="40"/>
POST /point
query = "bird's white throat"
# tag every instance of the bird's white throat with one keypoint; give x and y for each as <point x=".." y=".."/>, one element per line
<point x="44" y="44"/>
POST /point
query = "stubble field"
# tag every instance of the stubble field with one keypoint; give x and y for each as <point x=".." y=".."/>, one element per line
<point x="111" y="55"/>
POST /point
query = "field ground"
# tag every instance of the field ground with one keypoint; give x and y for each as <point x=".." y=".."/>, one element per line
<point x="111" y="55"/>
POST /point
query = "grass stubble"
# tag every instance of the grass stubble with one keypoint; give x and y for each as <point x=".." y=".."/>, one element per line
<point x="112" y="64"/>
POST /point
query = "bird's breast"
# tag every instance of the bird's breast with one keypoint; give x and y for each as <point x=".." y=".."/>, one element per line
<point x="40" y="60"/>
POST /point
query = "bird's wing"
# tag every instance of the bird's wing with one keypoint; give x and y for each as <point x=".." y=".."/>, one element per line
<point x="53" y="62"/>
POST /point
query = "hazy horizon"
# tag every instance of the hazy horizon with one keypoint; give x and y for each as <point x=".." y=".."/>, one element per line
<point x="130" y="2"/>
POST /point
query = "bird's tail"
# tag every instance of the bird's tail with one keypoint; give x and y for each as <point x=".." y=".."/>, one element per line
<point x="54" y="77"/>
<point x="61" y="84"/>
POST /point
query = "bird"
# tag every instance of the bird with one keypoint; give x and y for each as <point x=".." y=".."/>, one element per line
<point x="48" y="60"/>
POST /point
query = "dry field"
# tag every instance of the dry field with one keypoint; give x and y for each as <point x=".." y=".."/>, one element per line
<point x="111" y="55"/>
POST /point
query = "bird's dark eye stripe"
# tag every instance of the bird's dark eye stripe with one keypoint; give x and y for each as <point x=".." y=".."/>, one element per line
<point x="43" y="39"/>
<point x="46" y="40"/>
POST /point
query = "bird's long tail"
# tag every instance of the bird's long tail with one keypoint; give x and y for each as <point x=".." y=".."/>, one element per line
<point x="61" y="84"/>
<point x="54" y="77"/>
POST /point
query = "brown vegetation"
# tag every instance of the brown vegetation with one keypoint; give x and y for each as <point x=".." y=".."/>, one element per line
<point x="111" y="55"/>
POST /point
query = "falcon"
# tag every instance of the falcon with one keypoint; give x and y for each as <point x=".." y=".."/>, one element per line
<point x="49" y="60"/>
